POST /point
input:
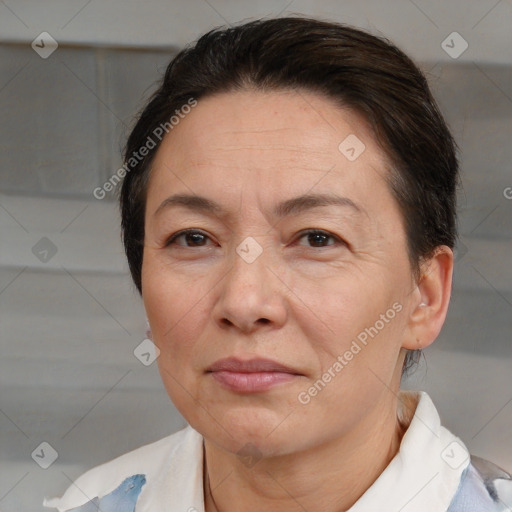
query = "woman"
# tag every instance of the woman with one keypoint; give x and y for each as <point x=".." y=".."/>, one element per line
<point x="288" y="215"/>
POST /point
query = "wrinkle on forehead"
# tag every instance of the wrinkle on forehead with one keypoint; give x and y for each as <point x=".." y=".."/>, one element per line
<point x="276" y="137"/>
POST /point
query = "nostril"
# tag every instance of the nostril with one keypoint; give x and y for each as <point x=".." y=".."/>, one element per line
<point x="264" y="321"/>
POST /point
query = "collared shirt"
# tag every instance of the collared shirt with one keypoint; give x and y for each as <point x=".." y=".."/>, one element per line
<point x="431" y="472"/>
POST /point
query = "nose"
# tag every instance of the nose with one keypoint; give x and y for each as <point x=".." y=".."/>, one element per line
<point x="252" y="296"/>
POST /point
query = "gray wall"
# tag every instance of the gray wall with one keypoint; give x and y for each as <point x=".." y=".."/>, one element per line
<point x="69" y="318"/>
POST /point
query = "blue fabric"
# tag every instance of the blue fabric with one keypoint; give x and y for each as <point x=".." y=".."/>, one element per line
<point x="478" y="489"/>
<point x="121" y="499"/>
<point x="484" y="487"/>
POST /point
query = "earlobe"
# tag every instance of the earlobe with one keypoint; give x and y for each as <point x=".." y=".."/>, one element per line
<point x="432" y="295"/>
<point x="149" y="334"/>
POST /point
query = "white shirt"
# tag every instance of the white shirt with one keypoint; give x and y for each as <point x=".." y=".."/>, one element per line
<point x="423" y="476"/>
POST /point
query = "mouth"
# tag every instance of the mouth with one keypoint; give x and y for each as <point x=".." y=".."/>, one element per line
<point x="251" y="376"/>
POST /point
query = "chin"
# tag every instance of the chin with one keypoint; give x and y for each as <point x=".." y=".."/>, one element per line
<point x="243" y="431"/>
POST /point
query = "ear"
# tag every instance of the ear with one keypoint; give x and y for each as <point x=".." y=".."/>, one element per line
<point x="430" y="300"/>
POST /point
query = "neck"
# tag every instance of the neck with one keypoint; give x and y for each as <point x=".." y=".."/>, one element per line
<point x="331" y="477"/>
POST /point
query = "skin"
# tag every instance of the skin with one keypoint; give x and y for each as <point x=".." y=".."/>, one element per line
<point x="301" y="302"/>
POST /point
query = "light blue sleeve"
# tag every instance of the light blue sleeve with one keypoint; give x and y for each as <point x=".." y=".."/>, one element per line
<point x="121" y="499"/>
<point x="90" y="506"/>
<point x="484" y="487"/>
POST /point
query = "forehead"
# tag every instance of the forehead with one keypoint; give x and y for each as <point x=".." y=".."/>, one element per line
<point x="270" y="143"/>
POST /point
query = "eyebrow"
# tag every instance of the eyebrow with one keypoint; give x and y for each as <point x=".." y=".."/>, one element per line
<point x="306" y="202"/>
<point x="292" y="206"/>
<point x="192" y="202"/>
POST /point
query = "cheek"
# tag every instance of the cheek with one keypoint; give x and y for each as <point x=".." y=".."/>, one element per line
<point x="176" y="314"/>
<point x="175" y="309"/>
<point x="358" y="317"/>
<point x="336" y="309"/>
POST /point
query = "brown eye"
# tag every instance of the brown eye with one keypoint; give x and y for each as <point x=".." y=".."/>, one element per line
<point x="188" y="238"/>
<point x="319" y="238"/>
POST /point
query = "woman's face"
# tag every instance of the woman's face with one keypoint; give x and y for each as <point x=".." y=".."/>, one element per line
<point x="297" y="256"/>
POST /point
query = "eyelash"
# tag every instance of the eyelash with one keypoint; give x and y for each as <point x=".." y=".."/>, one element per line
<point x="302" y="234"/>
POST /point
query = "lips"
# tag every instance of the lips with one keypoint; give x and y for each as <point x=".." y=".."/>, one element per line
<point x="251" y="376"/>
<point x="232" y="364"/>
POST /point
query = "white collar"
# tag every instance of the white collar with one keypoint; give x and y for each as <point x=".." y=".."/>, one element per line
<point x="425" y="473"/>
<point x="423" y="476"/>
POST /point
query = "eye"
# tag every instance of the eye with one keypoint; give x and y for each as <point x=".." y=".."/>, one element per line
<point x="188" y="238"/>
<point x="320" y="238"/>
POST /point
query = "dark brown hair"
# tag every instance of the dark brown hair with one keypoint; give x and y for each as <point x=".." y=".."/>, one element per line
<point x="353" y="68"/>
